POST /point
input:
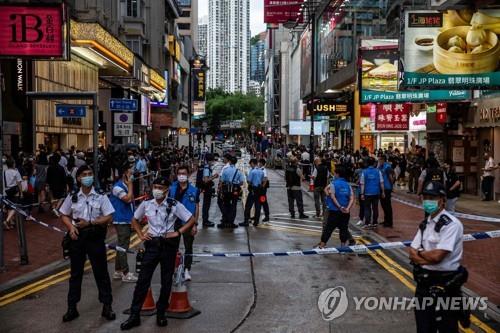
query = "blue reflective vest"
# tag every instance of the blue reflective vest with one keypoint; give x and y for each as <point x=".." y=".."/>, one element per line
<point x="342" y="194"/>
<point x="372" y="181"/>
<point x="124" y="212"/>
<point x="386" y="170"/>
<point x="190" y="197"/>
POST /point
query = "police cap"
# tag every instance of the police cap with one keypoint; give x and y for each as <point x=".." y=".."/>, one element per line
<point x="163" y="181"/>
<point x="434" y="188"/>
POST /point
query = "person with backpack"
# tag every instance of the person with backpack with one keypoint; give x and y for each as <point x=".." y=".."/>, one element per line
<point x="388" y="176"/>
<point x="205" y="183"/>
<point x="320" y="177"/>
<point x="432" y="172"/>
<point x="122" y="199"/>
<point x="452" y="186"/>
<point x="372" y="189"/>
<point x="293" y="178"/>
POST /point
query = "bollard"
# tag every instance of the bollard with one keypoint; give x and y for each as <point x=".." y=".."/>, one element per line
<point x="21" y="235"/>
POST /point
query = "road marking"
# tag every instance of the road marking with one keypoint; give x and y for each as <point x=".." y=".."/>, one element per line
<point x="53" y="279"/>
<point x="301" y="220"/>
<point x="391" y="266"/>
<point x="297" y="224"/>
<point x="282" y="214"/>
<point x="292" y="230"/>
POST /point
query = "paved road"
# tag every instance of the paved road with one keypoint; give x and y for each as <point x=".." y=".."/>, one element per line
<point x="265" y="294"/>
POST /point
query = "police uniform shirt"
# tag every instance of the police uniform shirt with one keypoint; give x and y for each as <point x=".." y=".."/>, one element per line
<point x="448" y="239"/>
<point x="231" y="172"/>
<point x="255" y="177"/>
<point x="87" y="207"/>
<point x="159" y="220"/>
<point x="264" y="170"/>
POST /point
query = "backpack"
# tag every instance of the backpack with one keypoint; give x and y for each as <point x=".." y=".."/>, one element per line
<point x="434" y="174"/>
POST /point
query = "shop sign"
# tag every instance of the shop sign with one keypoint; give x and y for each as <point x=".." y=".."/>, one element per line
<point x="329" y="108"/>
<point x="418" y="122"/>
<point x="392" y="117"/>
<point x="282" y="11"/>
<point x="123" y="129"/>
<point x="199" y="79"/>
<point x="33" y="31"/>
<point x="198" y="109"/>
<point x="414" y="96"/>
<point x="485" y="114"/>
<point x="440" y="52"/>
<point x="366" y="141"/>
<point x="441" y="115"/>
<point x="491" y="114"/>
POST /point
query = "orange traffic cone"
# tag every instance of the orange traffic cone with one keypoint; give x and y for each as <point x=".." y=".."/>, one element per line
<point x="311" y="185"/>
<point x="179" y="306"/>
<point x="148" y="307"/>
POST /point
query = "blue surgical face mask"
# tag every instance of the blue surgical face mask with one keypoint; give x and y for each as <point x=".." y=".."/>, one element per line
<point x="431" y="206"/>
<point x="88" y="181"/>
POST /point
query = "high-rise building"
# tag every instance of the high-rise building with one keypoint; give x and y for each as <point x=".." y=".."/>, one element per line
<point x="257" y="60"/>
<point x="202" y="36"/>
<point x="188" y="23"/>
<point x="229" y="45"/>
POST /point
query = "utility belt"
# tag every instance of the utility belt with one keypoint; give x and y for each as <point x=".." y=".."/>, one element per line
<point x="94" y="232"/>
<point x="255" y="189"/>
<point x="230" y="190"/>
<point x="444" y="280"/>
<point x="162" y="243"/>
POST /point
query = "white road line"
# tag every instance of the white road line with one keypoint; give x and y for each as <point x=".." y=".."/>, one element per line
<point x="301" y="220"/>
<point x="297" y="224"/>
<point x="282" y="214"/>
<point x="290" y="227"/>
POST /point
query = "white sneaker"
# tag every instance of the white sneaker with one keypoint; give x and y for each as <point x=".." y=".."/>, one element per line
<point x="130" y="277"/>
<point x="360" y="222"/>
<point x="187" y="276"/>
<point x="117" y="275"/>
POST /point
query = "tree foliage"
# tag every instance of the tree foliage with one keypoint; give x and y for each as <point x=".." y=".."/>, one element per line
<point x="222" y="106"/>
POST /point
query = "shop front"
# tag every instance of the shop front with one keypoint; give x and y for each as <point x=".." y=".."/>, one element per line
<point x="483" y="120"/>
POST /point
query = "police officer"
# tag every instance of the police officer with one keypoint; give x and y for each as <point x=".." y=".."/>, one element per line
<point x="436" y="253"/>
<point x="265" y="186"/>
<point x="339" y="203"/>
<point x="388" y="176"/>
<point x="372" y="189"/>
<point x="254" y="180"/>
<point x="229" y="188"/>
<point x="220" y="202"/>
<point x="161" y="243"/>
<point x="86" y="215"/>
<point x="187" y="194"/>
<point x="208" y="189"/>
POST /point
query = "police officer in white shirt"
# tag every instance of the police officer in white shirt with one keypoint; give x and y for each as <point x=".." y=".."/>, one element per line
<point x="86" y="215"/>
<point x="162" y="243"/>
<point x="436" y="253"/>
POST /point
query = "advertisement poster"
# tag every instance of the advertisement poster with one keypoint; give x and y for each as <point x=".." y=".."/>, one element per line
<point x="392" y="117"/>
<point x="305" y="69"/>
<point x="453" y="49"/>
<point x="33" y="31"/>
<point x="367" y="141"/>
<point x="282" y="11"/>
<point x="379" y="76"/>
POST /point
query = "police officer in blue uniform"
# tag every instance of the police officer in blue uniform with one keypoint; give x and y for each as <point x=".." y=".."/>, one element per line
<point x="372" y="189"/>
<point x="161" y="244"/>
<point x="436" y="254"/>
<point x="230" y="188"/>
<point x="208" y="189"/>
<point x="86" y="215"/>
<point x="189" y="196"/>
<point x="265" y="186"/>
<point x="388" y="176"/>
<point x="254" y="181"/>
<point x="339" y="203"/>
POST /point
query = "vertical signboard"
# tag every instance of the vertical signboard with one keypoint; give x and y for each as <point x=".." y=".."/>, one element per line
<point x="34" y="31"/>
<point x="199" y="79"/>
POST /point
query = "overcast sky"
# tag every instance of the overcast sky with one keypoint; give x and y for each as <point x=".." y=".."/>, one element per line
<point x="256" y="14"/>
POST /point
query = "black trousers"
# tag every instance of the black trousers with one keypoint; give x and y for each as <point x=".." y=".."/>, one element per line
<point x="220" y="203"/>
<point x="427" y="318"/>
<point x="252" y="199"/>
<point x="188" y="248"/>
<point x="89" y="243"/>
<point x="387" y="208"/>
<point x="361" y="209"/>
<point x="265" y="204"/>
<point x="371" y="206"/>
<point x="487" y="187"/>
<point x="229" y="210"/>
<point x="295" y="195"/>
<point x="207" y="201"/>
<point x="336" y="219"/>
<point x="158" y="251"/>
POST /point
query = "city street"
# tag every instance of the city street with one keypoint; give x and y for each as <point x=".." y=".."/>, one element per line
<point x="262" y="294"/>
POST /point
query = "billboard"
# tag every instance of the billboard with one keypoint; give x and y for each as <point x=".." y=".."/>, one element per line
<point x="33" y="31"/>
<point x="453" y="49"/>
<point x="305" y="69"/>
<point x="298" y="127"/>
<point x="199" y="84"/>
<point x="379" y="76"/>
<point x="282" y="11"/>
